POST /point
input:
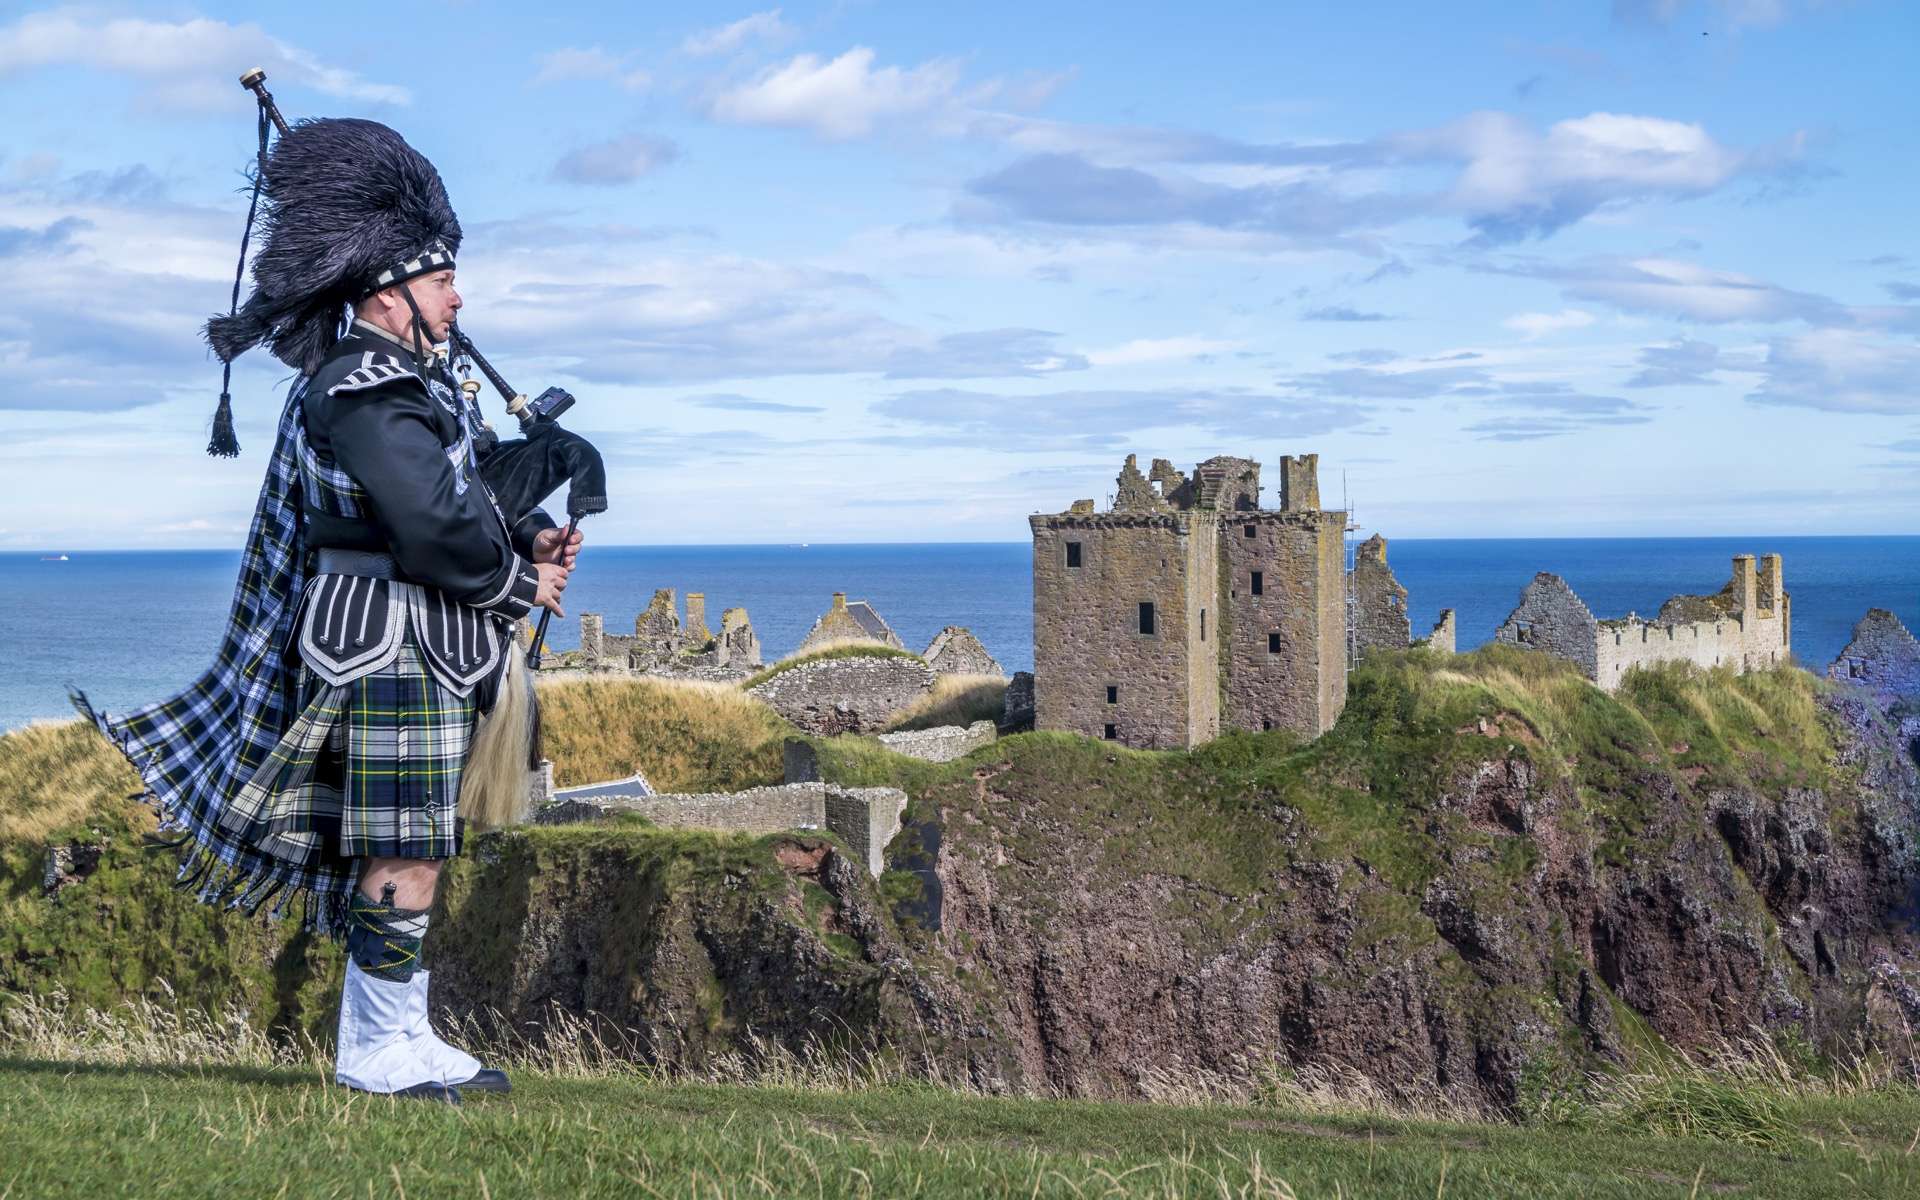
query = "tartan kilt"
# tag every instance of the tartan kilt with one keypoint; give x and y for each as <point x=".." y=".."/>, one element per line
<point x="369" y="768"/>
<point x="395" y="754"/>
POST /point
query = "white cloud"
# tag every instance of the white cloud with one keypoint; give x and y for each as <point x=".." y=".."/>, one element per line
<point x="618" y="160"/>
<point x="1515" y="180"/>
<point x="573" y="63"/>
<point x="181" y="61"/>
<point x="763" y="27"/>
<point x="841" y="99"/>
<point x="1678" y="288"/>
<point x="1157" y="350"/>
<point x="1839" y="370"/>
<point x="1537" y="325"/>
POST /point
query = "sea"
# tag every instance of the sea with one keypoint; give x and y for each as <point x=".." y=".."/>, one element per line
<point x="130" y="627"/>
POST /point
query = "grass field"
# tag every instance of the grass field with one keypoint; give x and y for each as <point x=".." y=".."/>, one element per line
<point x="78" y="1130"/>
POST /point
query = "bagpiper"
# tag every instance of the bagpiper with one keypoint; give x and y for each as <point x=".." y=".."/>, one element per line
<point x="368" y="690"/>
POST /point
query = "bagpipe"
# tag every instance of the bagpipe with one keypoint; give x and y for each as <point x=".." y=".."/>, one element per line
<point x="520" y="473"/>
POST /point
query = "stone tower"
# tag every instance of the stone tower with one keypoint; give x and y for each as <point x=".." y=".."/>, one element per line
<point x="1187" y="607"/>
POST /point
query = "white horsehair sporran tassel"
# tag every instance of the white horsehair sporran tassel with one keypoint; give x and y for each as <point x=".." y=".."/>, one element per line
<point x="494" y="788"/>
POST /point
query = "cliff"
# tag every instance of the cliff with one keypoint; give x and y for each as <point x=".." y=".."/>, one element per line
<point x="1489" y="879"/>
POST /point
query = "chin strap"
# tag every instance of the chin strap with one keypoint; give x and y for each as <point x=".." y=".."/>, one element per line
<point x="421" y="339"/>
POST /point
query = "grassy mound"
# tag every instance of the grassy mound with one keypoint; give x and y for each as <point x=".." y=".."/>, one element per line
<point x="954" y="700"/>
<point x="687" y="736"/>
<point x="832" y="650"/>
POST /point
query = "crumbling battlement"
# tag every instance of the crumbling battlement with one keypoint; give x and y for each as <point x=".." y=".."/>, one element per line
<point x="1747" y="626"/>
<point x="661" y="645"/>
<point x="1882" y="657"/>
<point x="1380" y="618"/>
<point x="1187" y="607"/>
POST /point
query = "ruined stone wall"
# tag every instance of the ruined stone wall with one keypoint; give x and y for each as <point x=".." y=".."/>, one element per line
<point x="1330" y="593"/>
<point x="866" y="819"/>
<point x="942" y="744"/>
<point x="1882" y="656"/>
<point x="1748" y="626"/>
<point x="1380" y="618"/>
<point x="593" y="634"/>
<point x="846" y="695"/>
<point x="1086" y="635"/>
<point x="696" y="631"/>
<point x="955" y="651"/>
<point x="1285" y="663"/>
<point x="1731" y="629"/>
<point x="1444" y="633"/>
<point x="1552" y="619"/>
<point x="756" y="810"/>
<point x="738" y="645"/>
<point x="1203" y="631"/>
<point x="1743" y="641"/>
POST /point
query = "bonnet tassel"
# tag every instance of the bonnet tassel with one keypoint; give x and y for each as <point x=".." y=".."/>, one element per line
<point x="223" y="443"/>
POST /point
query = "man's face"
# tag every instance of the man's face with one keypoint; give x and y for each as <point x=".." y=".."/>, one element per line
<point x="438" y="302"/>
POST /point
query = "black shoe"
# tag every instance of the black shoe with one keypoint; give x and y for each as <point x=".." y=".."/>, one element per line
<point x="486" y="1079"/>
<point x="443" y="1092"/>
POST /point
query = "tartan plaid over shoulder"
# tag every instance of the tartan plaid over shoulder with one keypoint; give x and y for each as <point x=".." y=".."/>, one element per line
<point x="196" y="750"/>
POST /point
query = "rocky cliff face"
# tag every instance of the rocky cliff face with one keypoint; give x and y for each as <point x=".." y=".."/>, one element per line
<point x="680" y="946"/>
<point x="1488" y="879"/>
<point x="1444" y="895"/>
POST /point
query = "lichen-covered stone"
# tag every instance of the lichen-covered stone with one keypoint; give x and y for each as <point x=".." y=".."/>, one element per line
<point x="854" y="694"/>
<point x="942" y="744"/>
<point x="1881" y="656"/>
<point x="955" y="651"/>
<point x="1215" y="652"/>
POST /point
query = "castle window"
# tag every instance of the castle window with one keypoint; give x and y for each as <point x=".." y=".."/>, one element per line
<point x="1266" y="724"/>
<point x="1523" y="632"/>
<point x="1856" y="668"/>
<point x="1203" y="624"/>
<point x="1259" y="583"/>
<point x="1146" y="617"/>
<point x="1273" y="643"/>
<point x="1113" y="694"/>
<point x="1246" y="530"/>
<point x="1073" y="554"/>
<point x="1111" y="733"/>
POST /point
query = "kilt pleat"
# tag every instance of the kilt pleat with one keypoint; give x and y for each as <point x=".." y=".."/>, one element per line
<point x="369" y="768"/>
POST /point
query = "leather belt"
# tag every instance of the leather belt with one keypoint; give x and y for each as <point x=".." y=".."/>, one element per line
<point x="368" y="564"/>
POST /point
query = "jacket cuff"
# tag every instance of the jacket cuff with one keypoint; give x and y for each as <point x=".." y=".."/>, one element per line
<point x="515" y="600"/>
<point x="528" y="527"/>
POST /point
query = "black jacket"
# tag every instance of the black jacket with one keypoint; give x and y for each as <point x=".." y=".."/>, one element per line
<point x="368" y="413"/>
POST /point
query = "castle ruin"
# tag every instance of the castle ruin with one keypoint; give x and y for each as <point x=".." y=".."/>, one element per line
<point x="1747" y="626"/>
<point x="1380" y="620"/>
<point x="661" y="645"/>
<point x="1882" y="656"/>
<point x="1187" y="607"/>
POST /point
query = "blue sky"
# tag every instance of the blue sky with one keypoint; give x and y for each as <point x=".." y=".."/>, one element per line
<point x="869" y="272"/>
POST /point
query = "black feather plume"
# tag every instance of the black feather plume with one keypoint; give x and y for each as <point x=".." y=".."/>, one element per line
<point x="346" y="198"/>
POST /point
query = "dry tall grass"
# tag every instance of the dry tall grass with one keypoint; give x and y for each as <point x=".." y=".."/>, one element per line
<point x="954" y="700"/>
<point x="52" y="774"/>
<point x="686" y="735"/>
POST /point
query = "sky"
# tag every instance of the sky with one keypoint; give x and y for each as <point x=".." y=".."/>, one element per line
<point x="858" y="272"/>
